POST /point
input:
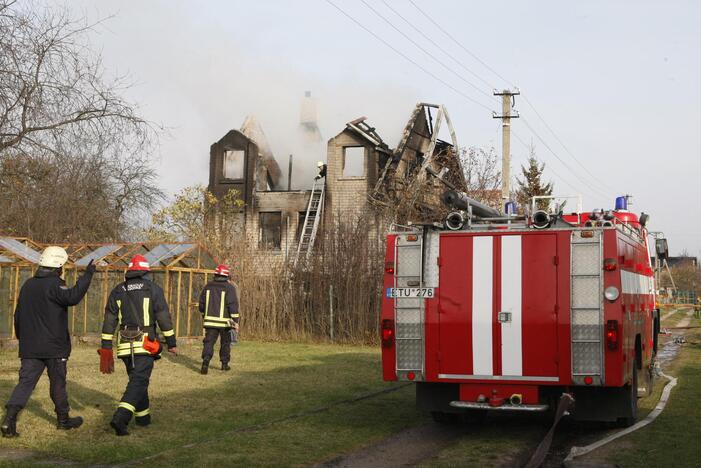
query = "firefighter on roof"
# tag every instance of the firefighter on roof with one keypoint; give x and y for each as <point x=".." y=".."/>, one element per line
<point x="41" y="326"/>
<point x="220" y="313"/>
<point x="133" y="310"/>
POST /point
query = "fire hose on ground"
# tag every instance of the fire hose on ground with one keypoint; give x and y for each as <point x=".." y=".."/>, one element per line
<point x="566" y="400"/>
<point x="579" y="451"/>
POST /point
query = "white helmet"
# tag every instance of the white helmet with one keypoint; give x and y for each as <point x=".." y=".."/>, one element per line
<point x="320" y="163"/>
<point x="53" y="257"/>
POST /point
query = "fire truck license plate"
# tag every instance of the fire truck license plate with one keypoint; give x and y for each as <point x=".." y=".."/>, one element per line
<point x="400" y="293"/>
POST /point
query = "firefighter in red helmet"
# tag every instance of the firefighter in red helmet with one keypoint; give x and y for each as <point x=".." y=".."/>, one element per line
<point x="220" y="315"/>
<point x="133" y="310"/>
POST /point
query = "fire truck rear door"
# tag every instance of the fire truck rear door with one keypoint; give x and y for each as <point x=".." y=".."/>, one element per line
<point x="497" y="307"/>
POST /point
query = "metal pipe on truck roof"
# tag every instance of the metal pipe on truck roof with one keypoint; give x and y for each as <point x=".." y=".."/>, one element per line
<point x="461" y="201"/>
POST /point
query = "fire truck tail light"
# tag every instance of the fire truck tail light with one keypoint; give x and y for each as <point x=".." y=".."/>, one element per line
<point x="612" y="334"/>
<point x="387" y="333"/>
<point x="389" y="267"/>
<point x="588" y="380"/>
<point x="611" y="293"/>
<point x="610" y="264"/>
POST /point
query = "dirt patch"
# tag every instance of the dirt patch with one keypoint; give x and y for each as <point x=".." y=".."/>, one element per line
<point x="404" y="448"/>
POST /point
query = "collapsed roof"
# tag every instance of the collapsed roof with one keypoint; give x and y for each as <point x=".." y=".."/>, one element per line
<point x="420" y="153"/>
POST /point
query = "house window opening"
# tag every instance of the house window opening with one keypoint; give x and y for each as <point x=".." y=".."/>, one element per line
<point x="234" y="164"/>
<point x="300" y="224"/>
<point x="354" y="161"/>
<point x="270" y="230"/>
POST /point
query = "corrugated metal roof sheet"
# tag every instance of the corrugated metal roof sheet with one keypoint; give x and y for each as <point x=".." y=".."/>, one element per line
<point x="163" y="252"/>
<point x="98" y="253"/>
<point x="4" y="259"/>
<point x="19" y="249"/>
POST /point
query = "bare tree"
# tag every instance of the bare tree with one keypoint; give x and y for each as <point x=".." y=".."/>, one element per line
<point x="75" y="157"/>
<point x="482" y="174"/>
<point x="52" y="84"/>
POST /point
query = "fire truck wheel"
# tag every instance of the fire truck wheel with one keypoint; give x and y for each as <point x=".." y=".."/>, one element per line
<point x="631" y="403"/>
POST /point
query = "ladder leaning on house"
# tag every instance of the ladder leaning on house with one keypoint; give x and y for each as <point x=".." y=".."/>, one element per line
<point x="315" y="209"/>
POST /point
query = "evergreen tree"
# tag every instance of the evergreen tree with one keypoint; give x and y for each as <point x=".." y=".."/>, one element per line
<point x="531" y="183"/>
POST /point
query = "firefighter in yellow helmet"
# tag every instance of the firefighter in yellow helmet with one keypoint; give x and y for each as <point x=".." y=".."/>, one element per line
<point x="133" y="309"/>
<point x="220" y="314"/>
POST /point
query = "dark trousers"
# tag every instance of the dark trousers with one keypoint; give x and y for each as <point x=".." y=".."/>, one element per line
<point x="29" y="373"/>
<point x="210" y="338"/>
<point x="135" y="398"/>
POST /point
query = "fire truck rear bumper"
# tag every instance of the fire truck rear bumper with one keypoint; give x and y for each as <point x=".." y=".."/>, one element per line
<point x="504" y="407"/>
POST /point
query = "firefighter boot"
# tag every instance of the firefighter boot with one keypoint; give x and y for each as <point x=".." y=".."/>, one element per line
<point x="120" y="421"/>
<point x="225" y="366"/>
<point x="9" y="424"/>
<point x="205" y="368"/>
<point x="143" y="421"/>
<point x="65" y="422"/>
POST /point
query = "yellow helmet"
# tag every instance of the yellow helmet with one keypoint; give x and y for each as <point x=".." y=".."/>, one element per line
<point x="53" y="257"/>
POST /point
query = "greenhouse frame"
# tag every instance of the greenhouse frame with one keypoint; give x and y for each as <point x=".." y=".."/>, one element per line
<point x="181" y="269"/>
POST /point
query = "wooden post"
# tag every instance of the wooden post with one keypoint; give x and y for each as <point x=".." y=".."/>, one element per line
<point x="75" y="280"/>
<point x="85" y="313"/>
<point x="15" y="295"/>
<point x="177" y="307"/>
<point x="331" y="311"/>
<point x="189" y="303"/>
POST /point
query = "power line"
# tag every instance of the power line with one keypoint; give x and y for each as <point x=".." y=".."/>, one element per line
<point x="586" y="182"/>
<point x="563" y="144"/>
<point x="407" y="58"/>
<point x="428" y="38"/>
<point x="473" y="55"/>
<point x="450" y="36"/>
<point x="448" y="85"/>
<point x="525" y="145"/>
<point x="428" y="54"/>
<point x="595" y="194"/>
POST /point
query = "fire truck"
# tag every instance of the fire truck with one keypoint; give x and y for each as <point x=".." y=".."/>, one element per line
<point x="501" y="312"/>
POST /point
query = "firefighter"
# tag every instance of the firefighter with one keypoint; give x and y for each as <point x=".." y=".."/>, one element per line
<point x="220" y="314"/>
<point x="322" y="170"/>
<point x="41" y="326"/>
<point x="133" y="309"/>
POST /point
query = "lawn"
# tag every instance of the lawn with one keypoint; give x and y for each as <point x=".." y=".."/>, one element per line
<point x="263" y="412"/>
<point x="673" y="438"/>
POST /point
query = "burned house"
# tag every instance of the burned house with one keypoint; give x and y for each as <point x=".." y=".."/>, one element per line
<point x="365" y="181"/>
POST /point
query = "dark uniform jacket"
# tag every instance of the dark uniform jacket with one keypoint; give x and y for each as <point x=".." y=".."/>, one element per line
<point x="137" y="302"/>
<point x="219" y="304"/>
<point x="41" y="317"/>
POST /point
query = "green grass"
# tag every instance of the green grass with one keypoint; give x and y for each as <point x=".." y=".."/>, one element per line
<point x="673" y="438"/>
<point x="225" y="415"/>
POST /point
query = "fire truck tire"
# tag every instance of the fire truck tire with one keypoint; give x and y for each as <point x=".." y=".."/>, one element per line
<point x="631" y="403"/>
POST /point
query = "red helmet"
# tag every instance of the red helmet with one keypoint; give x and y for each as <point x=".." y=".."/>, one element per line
<point x="222" y="270"/>
<point x="139" y="263"/>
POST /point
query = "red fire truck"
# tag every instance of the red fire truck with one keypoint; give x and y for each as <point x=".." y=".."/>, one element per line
<point x="498" y="312"/>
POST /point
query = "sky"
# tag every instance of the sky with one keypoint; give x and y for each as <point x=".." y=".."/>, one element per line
<point x="610" y="90"/>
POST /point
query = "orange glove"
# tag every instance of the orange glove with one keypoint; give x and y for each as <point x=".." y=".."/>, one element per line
<point x="106" y="360"/>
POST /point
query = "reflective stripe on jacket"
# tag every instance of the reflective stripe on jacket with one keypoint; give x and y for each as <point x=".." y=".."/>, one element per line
<point x="219" y="304"/>
<point x="137" y="302"/>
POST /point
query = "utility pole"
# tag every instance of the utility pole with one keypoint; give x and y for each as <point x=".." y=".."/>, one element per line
<point x="507" y="113"/>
